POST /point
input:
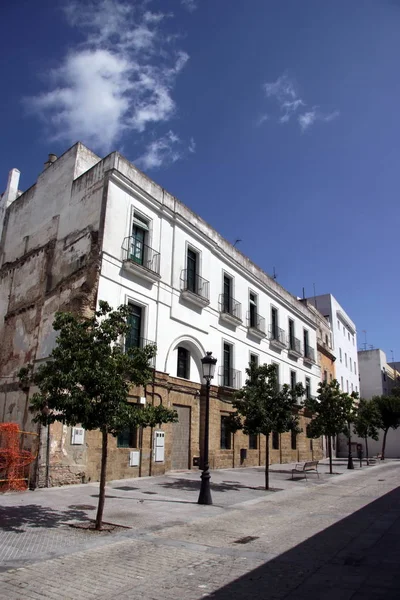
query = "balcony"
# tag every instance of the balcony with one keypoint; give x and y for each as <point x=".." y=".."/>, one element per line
<point x="141" y="260"/>
<point x="309" y="355"/>
<point x="132" y="342"/>
<point x="195" y="289"/>
<point x="229" y="378"/>
<point x="277" y="337"/>
<point x="230" y="310"/>
<point x="294" y="347"/>
<point x="256" y="325"/>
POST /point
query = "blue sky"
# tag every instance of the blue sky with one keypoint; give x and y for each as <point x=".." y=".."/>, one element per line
<point x="276" y="121"/>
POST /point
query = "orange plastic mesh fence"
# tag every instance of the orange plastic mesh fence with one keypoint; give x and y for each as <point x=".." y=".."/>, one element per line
<point x="13" y="460"/>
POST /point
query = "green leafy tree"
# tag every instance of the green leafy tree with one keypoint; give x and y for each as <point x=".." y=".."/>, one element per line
<point x="263" y="407"/>
<point x="389" y="409"/>
<point x="367" y="422"/>
<point x="330" y="410"/>
<point x="87" y="379"/>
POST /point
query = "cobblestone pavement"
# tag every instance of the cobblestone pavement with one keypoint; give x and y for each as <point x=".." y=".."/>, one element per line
<point x="336" y="540"/>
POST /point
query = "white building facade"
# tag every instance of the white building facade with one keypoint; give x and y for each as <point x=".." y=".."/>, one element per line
<point x="94" y="229"/>
<point x="344" y="338"/>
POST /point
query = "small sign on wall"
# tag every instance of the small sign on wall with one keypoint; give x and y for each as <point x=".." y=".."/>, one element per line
<point x="77" y="436"/>
<point x="134" y="458"/>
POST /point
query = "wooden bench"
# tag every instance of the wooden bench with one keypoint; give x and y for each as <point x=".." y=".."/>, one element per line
<point x="307" y="467"/>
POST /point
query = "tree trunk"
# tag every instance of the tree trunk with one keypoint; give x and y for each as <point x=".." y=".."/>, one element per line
<point x="267" y="462"/>
<point x="384" y="444"/>
<point x="330" y="453"/>
<point x="366" y="450"/>
<point x="102" y="488"/>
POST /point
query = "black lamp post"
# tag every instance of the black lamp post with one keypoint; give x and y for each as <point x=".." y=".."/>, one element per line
<point x="208" y="364"/>
<point x="350" y="464"/>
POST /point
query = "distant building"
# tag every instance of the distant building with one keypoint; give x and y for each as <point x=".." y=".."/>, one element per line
<point x="344" y="337"/>
<point x="377" y="376"/>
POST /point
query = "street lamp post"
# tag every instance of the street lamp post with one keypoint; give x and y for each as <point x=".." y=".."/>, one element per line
<point x="208" y="364"/>
<point x="350" y="464"/>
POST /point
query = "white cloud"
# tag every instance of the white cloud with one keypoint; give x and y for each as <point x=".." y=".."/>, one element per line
<point x="163" y="151"/>
<point x="190" y="5"/>
<point x="192" y="146"/>
<point x="308" y="118"/>
<point x="290" y="104"/>
<point x="120" y="79"/>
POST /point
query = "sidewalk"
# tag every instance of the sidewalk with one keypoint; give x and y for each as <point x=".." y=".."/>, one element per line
<point x="34" y="525"/>
<point x="334" y="540"/>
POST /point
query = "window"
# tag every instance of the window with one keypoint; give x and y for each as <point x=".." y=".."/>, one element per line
<point x="326" y="339"/>
<point x="254" y="359"/>
<point x="384" y="374"/>
<point x="227" y="302"/>
<point x="352" y="389"/>
<point x="274" y="322"/>
<point x="225" y="433"/>
<point x="345" y="358"/>
<point x="357" y="389"/>
<point x="338" y="325"/>
<point x="292" y="379"/>
<point x="351" y="366"/>
<point x="291" y="334"/>
<point x="347" y="385"/>
<point x="341" y="384"/>
<point x="134" y="321"/>
<point x="355" y="368"/>
<point x="348" y="335"/>
<point x="293" y="440"/>
<point x="277" y="373"/>
<point x="183" y="368"/>
<point x="353" y="339"/>
<point x="275" y="440"/>
<point x="330" y="377"/>
<point x="340" y="354"/>
<point x="227" y="365"/>
<point x="128" y="438"/>
<point x="325" y="376"/>
<point x="344" y="330"/>
<point x="140" y="228"/>
<point x="192" y="266"/>
<point x="253" y="441"/>
<point x="253" y="310"/>
<point x="305" y="340"/>
<point x="308" y="387"/>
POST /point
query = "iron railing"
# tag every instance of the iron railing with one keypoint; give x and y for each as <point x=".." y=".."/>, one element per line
<point x="230" y="378"/>
<point x="309" y="353"/>
<point x="230" y="306"/>
<point x="255" y="321"/>
<point x="294" y="345"/>
<point x="276" y="334"/>
<point x="195" y="284"/>
<point x="132" y="341"/>
<point x="141" y="254"/>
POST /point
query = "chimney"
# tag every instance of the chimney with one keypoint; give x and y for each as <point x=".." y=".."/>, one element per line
<point x="11" y="192"/>
<point x="52" y="158"/>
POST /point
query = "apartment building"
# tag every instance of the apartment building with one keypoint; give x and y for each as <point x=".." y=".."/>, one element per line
<point x="95" y="229"/>
<point x="344" y="341"/>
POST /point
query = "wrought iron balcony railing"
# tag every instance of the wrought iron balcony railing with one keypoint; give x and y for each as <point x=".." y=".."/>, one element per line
<point x="294" y="346"/>
<point x="133" y="341"/>
<point x="309" y="354"/>
<point x="277" y="336"/>
<point x="193" y="286"/>
<point x="230" y="378"/>
<point x="137" y="253"/>
<point x="230" y="307"/>
<point x="256" y="323"/>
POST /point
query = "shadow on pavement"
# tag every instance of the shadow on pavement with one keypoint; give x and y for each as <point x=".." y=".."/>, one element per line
<point x="188" y="485"/>
<point x="16" y="518"/>
<point x="356" y="558"/>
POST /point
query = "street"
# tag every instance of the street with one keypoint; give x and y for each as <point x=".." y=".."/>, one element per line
<point x="336" y="537"/>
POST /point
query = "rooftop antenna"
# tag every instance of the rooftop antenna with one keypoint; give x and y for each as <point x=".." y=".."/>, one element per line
<point x="365" y="339"/>
<point x="275" y="274"/>
<point x="236" y="242"/>
<point x="304" y="294"/>
<point x="315" y="297"/>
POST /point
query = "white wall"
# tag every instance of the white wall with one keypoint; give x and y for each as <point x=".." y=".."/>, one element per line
<point x="170" y="321"/>
<point x="344" y="341"/>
